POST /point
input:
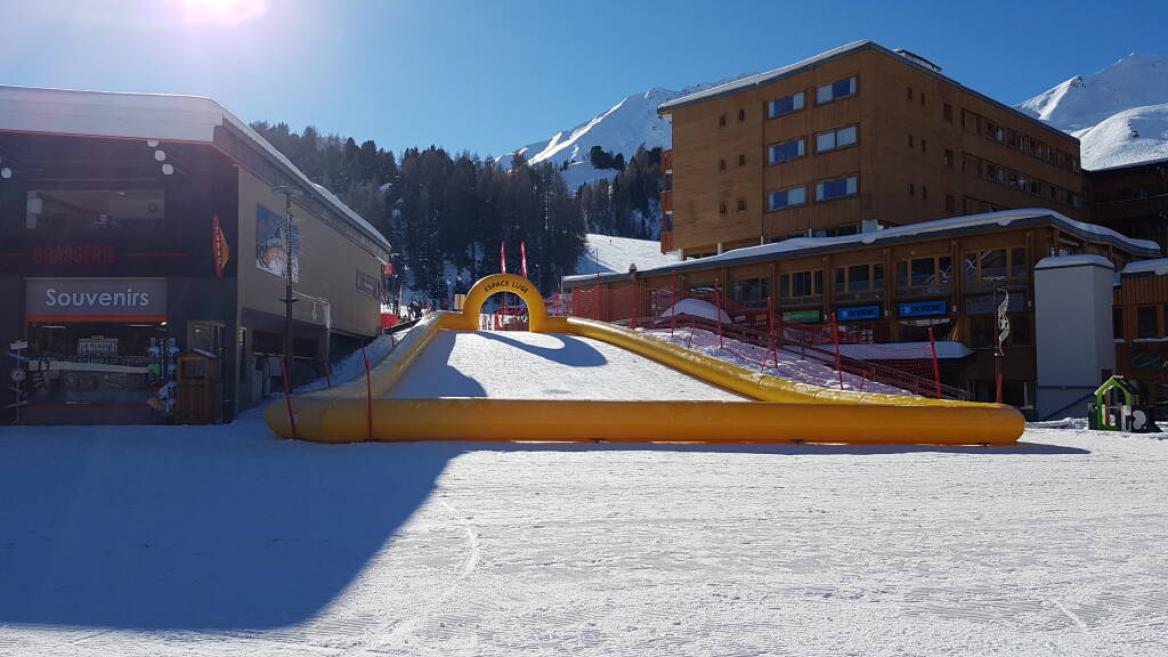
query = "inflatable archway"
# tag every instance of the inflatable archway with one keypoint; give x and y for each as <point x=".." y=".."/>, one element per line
<point x="489" y="286"/>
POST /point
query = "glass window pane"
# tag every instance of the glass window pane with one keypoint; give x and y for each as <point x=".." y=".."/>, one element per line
<point x="944" y="270"/>
<point x="797" y="101"/>
<point x="823" y="94"/>
<point x="819" y="282"/>
<point x="839" y="279"/>
<point x="923" y="270"/>
<point x="797" y="196"/>
<point x="852" y="185"/>
<point x="902" y="274"/>
<point x="1018" y="266"/>
<point x="846" y="136"/>
<point x="842" y="88"/>
<point x="1146" y="322"/>
<point x="858" y="277"/>
<point x="824" y="141"/>
<point x="993" y="263"/>
<point x="877" y="277"/>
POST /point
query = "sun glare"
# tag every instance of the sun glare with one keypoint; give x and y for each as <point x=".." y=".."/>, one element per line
<point x="229" y="12"/>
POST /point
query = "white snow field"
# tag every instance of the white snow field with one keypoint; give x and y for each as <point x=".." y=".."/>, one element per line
<point x="521" y="365"/>
<point x="221" y="540"/>
<point x="605" y="254"/>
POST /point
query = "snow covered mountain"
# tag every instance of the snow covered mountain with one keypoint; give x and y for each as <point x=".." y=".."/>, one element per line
<point x="621" y="129"/>
<point x="1120" y="114"/>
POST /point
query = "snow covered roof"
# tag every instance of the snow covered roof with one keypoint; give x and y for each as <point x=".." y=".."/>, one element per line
<point x="1157" y="266"/>
<point x="802" y="246"/>
<point x="1074" y="260"/>
<point x="1131" y="165"/>
<point x="759" y="79"/>
<point x="162" y="117"/>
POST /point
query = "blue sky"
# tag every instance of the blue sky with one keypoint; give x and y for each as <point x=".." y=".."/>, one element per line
<point x="491" y="75"/>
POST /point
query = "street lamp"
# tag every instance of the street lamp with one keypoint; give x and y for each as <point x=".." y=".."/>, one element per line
<point x="289" y="192"/>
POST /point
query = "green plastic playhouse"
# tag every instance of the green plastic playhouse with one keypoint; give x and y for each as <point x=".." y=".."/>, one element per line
<point x="1118" y="407"/>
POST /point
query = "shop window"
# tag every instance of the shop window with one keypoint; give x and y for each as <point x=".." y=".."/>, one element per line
<point x="787" y="151"/>
<point x="994" y="264"/>
<point x="930" y="273"/>
<point x="835" y="139"/>
<point x="753" y="291"/>
<point x="787" y="198"/>
<point x="859" y="278"/>
<point x="98" y="209"/>
<point x="801" y="284"/>
<point x="1146" y="322"/>
<point x="785" y="105"/>
<point x="828" y="93"/>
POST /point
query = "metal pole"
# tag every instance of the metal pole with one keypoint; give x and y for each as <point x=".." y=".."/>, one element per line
<point x="288" y="298"/>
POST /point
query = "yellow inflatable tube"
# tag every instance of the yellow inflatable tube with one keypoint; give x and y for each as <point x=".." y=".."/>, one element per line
<point x="784" y="411"/>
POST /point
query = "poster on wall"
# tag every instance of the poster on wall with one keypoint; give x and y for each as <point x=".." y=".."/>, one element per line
<point x="271" y="251"/>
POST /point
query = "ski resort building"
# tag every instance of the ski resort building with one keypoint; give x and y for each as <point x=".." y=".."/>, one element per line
<point x="134" y="227"/>
<point x="1132" y="199"/>
<point x="894" y="285"/>
<point x="854" y="138"/>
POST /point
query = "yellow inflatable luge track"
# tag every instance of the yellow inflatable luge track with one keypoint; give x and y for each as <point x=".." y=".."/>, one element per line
<point x="783" y="411"/>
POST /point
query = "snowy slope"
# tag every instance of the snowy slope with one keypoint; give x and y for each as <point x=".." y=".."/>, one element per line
<point x="624" y="127"/>
<point x="606" y="254"/>
<point x="1119" y="113"/>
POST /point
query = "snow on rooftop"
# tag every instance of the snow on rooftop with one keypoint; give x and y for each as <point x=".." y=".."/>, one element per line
<point x="164" y="117"/>
<point x="1003" y="218"/>
<point x="1157" y="266"/>
<point x="1074" y="260"/>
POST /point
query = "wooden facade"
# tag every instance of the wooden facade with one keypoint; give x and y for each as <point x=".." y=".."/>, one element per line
<point x="923" y="147"/>
<point x="950" y="281"/>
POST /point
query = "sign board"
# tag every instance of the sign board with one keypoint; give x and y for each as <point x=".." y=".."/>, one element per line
<point x="811" y="316"/>
<point x="933" y="308"/>
<point x="855" y="313"/>
<point x="18" y="345"/>
<point x="368" y="285"/>
<point x="97" y="346"/>
<point x="271" y="245"/>
<point x="95" y="299"/>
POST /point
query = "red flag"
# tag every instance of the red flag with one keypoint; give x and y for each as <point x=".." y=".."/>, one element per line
<point x="503" y="257"/>
<point x="220" y="250"/>
<point x="523" y="257"/>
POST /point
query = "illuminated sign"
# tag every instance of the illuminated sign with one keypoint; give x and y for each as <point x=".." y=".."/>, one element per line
<point x="933" y="308"/>
<point x="854" y="313"/>
<point x="95" y="299"/>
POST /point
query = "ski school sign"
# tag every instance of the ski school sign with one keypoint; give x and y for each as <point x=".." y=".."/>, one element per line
<point x="95" y="299"/>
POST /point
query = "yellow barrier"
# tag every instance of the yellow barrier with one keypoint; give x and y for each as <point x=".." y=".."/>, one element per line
<point x="785" y="411"/>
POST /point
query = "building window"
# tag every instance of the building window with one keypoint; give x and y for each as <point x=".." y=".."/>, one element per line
<point x="787" y="151"/>
<point x="911" y="144"/>
<point x="67" y="210"/>
<point x="801" y="284"/>
<point x="950" y="204"/>
<point x="722" y="121"/>
<point x="948" y="158"/>
<point x="924" y="192"/>
<point x="924" y="145"/>
<point x="741" y="160"/>
<point x="912" y="190"/>
<point x="1117" y="322"/>
<point x="922" y="99"/>
<point x="787" y="198"/>
<point x="785" y="105"/>
<point x="722" y="209"/>
<point x="908" y="90"/>
<point x="741" y="205"/>
<point x="741" y="115"/>
<point x="994" y="264"/>
<point x="836" y="90"/>
<point x="931" y="273"/>
<point x="947" y="112"/>
<point x="826" y="190"/>
<point x="721" y="165"/>
<point x="754" y="291"/>
<point x="835" y="139"/>
<point x="859" y="278"/>
<point x="1146" y="322"/>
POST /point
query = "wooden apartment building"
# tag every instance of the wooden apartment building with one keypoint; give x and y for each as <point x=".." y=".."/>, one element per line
<point x="858" y="137"/>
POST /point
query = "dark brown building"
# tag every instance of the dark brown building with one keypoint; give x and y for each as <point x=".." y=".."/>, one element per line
<point x="850" y="139"/>
<point x="1132" y="199"/>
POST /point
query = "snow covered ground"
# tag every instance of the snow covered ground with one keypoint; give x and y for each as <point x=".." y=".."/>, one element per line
<point x="521" y="365"/>
<point x="182" y="541"/>
<point x="605" y="253"/>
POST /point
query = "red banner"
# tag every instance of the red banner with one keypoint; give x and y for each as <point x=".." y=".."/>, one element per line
<point x="219" y="247"/>
<point x="503" y="257"/>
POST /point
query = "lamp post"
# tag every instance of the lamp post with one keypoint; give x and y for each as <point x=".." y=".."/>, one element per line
<point x="289" y="192"/>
